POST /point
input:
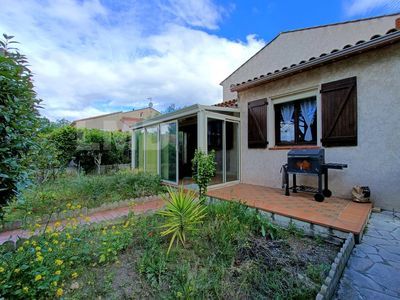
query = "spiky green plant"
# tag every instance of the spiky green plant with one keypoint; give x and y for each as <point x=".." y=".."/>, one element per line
<point x="183" y="215"/>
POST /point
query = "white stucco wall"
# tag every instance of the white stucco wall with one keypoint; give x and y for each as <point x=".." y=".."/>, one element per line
<point x="292" y="47"/>
<point x="375" y="162"/>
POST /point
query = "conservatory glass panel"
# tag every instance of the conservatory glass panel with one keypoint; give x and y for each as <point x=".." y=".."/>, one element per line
<point x="139" y="149"/>
<point x="168" y="160"/>
<point x="151" y="159"/>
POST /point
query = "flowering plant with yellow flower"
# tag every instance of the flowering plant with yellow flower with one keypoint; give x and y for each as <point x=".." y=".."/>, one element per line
<point x="42" y="265"/>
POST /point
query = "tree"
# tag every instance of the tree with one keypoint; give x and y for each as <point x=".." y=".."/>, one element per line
<point x="91" y="147"/>
<point x="65" y="140"/>
<point x="19" y="119"/>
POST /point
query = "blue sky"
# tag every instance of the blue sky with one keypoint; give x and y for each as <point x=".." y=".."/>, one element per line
<point x="98" y="56"/>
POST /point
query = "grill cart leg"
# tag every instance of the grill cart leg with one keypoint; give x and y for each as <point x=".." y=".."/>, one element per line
<point x="326" y="192"/>
<point x="319" y="197"/>
<point x="294" y="184"/>
<point x="287" y="193"/>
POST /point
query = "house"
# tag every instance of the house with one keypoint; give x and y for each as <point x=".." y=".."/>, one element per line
<point x="334" y="87"/>
<point x="117" y="121"/>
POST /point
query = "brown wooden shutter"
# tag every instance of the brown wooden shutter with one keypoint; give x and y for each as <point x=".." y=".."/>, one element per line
<point x="339" y="113"/>
<point x="257" y="124"/>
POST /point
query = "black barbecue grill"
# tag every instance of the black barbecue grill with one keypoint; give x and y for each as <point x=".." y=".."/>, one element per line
<point x="309" y="162"/>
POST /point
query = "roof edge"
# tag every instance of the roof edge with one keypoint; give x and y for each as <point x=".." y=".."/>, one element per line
<point x="341" y="23"/>
<point x="96" y="117"/>
<point x="316" y="62"/>
<point x="306" y="28"/>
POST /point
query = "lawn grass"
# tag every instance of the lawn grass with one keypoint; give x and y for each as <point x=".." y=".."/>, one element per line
<point x="82" y="191"/>
<point x="228" y="258"/>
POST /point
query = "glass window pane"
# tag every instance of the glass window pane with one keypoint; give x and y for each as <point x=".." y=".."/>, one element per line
<point x="139" y="149"/>
<point x="215" y="142"/>
<point x="307" y="117"/>
<point x="287" y="123"/>
<point x="152" y="150"/>
<point x="168" y="161"/>
<point x="232" y="151"/>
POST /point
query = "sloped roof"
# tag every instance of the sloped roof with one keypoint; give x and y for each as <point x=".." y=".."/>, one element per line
<point x="291" y="47"/>
<point x="376" y="41"/>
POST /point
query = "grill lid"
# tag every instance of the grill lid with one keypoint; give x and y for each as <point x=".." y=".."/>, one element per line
<point x="306" y="153"/>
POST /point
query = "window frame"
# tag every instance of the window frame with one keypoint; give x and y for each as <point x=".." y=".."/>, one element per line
<point x="277" y="127"/>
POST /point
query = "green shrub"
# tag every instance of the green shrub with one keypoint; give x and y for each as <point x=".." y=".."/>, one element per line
<point x="203" y="167"/>
<point x="183" y="215"/>
<point x="87" y="191"/>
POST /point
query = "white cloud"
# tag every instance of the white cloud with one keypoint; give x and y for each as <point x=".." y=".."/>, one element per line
<point x="92" y="57"/>
<point x="195" y="13"/>
<point x="362" y="7"/>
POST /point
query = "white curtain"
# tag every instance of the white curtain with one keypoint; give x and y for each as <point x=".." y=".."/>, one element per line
<point x="308" y="109"/>
<point x="287" y="130"/>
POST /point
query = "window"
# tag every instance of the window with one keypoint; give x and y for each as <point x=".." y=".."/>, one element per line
<point x="296" y="122"/>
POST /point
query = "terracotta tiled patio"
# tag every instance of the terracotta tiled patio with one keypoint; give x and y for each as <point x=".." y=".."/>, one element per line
<point x="336" y="213"/>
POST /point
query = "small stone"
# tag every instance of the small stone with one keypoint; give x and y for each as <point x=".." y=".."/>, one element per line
<point x="376" y="209"/>
<point x="74" y="286"/>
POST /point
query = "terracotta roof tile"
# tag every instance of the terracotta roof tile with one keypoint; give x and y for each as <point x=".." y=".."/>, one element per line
<point x="233" y="103"/>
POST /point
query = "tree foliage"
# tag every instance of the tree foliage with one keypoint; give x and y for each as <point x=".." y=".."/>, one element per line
<point x="19" y="119"/>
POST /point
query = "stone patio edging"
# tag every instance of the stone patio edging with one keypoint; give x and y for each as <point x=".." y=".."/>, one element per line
<point x="337" y="267"/>
<point x="83" y="211"/>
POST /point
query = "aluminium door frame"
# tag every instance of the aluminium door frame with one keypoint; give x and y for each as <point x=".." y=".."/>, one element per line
<point x="224" y="118"/>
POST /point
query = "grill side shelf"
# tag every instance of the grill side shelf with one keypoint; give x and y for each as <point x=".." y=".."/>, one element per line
<point x="335" y="166"/>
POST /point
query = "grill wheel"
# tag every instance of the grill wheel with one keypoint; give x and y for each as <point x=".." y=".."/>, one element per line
<point x="319" y="197"/>
<point x="327" y="193"/>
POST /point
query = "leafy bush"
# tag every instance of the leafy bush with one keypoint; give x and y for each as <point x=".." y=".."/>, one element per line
<point x="44" y="266"/>
<point x="64" y="139"/>
<point x="18" y="120"/>
<point x="87" y="191"/>
<point x="183" y="214"/>
<point x="204" y="167"/>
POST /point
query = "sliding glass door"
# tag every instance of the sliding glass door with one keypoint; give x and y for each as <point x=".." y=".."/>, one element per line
<point x="223" y="138"/>
<point x="232" y="151"/>
<point x="215" y="142"/>
<point x="168" y="151"/>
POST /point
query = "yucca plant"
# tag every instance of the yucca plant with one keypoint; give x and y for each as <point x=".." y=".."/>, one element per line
<point x="183" y="214"/>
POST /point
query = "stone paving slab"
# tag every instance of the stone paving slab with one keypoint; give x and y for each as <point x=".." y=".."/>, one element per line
<point x="373" y="270"/>
<point x="107" y="215"/>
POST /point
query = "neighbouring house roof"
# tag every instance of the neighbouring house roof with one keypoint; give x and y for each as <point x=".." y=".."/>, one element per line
<point x="96" y="117"/>
<point x="376" y="41"/>
<point x="115" y="113"/>
<point x="291" y="47"/>
<point x="228" y="103"/>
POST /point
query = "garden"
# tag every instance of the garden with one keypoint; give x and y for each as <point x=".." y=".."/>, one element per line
<point x="192" y="248"/>
<point x="224" y="250"/>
